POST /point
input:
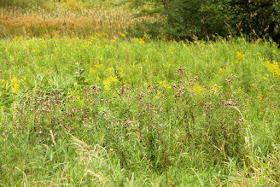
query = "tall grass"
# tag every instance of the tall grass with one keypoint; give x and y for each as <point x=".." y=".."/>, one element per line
<point x="74" y="4"/>
<point x="99" y="111"/>
<point x="22" y="3"/>
<point x="61" y="21"/>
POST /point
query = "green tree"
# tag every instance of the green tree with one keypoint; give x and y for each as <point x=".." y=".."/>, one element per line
<point x="204" y="18"/>
<point x="201" y="18"/>
<point x="256" y="18"/>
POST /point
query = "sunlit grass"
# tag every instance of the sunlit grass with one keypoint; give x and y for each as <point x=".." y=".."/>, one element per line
<point x="113" y="111"/>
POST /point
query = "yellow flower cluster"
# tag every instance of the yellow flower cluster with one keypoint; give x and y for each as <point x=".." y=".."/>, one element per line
<point x="197" y="89"/>
<point x="98" y="66"/>
<point x="240" y="55"/>
<point x="91" y="70"/>
<point x="14" y="85"/>
<point x="122" y="35"/>
<point x="108" y="70"/>
<point x="141" y="41"/>
<point x="164" y="84"/>
<point x="108" y="76"/>
<point x="273" y="68"/>
<point x="110" y="80"/>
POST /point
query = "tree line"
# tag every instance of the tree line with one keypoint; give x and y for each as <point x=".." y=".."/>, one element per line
<point x="209" y="18"/>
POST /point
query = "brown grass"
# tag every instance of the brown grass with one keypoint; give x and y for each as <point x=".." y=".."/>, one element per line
<point x="69" y="23"/>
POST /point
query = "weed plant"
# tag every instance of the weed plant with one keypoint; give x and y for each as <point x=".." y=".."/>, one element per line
<point x="135" y="112"/>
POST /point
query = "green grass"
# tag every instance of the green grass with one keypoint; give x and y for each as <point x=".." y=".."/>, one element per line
<point x="139" y="113"/>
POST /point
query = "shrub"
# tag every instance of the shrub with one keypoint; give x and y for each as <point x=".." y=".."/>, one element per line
<point x="201" y="18"/>
<point x="186" y="18"/>
<point x="256" y="18"/>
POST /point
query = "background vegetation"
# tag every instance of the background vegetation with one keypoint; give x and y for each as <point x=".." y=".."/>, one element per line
<point x="203" y="19"/>
<point x="173" y="19"/>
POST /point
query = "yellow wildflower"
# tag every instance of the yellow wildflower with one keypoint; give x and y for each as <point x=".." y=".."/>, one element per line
<point x="110" y="80"/>
<point x="164" y="84"/>
<point x="265" y="78"/>
<point x="14" y="85"/>
<point x="273" y="68"/>
<point x="14" y="80"/>
<point x="107" y="82"/>
<point x="122" y="35"/>
<point x="98" y="65"/>
<point x="141" y="41"/>
<point x="113" y="79"/>
<point x="109" y="69"/>
<point x="197" y="89"/>
<point x="107" y="87"/>
<point x="240" y="55"/>
<point x="92" y="38"/>
<point x="91" y="70"/>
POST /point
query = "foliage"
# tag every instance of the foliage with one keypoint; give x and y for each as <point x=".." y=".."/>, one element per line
<point x="108" y="109"/>
<point x="186" y="18"/>
<point x="257" y="18"/>
<point x="107" y="112"/>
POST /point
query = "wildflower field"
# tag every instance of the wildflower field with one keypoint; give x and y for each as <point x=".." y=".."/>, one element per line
<point x="84" y="102"/>
<point x="137" y="112"/>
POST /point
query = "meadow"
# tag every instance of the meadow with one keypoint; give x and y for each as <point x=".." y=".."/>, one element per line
<point x="84" y="102"/>
<point x="70" y="19"/>
<point x="138" y="112"/>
